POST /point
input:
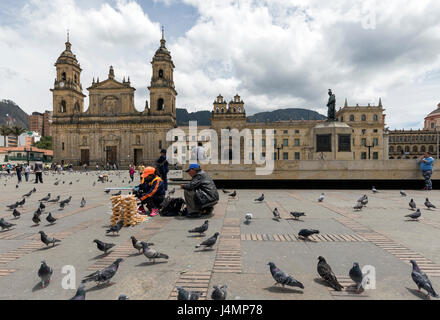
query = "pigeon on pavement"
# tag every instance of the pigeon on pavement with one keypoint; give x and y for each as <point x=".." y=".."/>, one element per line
<point x="187" y="295"/>
<point x="22" y="202"/>
<point x="248" y="218"/>
<point x="357" y="276"/>
<point x="233" y="194"/>
<point x="45" y="272"/>
<point x="201" y="229"/>
<point x="80" y="293"/>
<point x="364" y="201"/>
<point x="412" y="204"/>
<point x="306" y="233"/>
<point x="103" y="246"/>
<point x="5" y="225"/>
<point x="152" y="254"/>
<point x="16" y="213"/>
<point x="42" y="206"/>
<point x="325" y="271"/>
<point x="428" y="204"/>
<point x="36" y="218"/>
<point x="123" y="297"/>
<point x="138" y="244"/>
<point x="276" y="214"/>
<point x="104" y="275"/>
<point x="225" y="191"/>
<point x="27" y="194"/>
<point x="107" y="191"/>
<point x="13" y="206"/>
<point x="283" y="278"/>
<point x="46" y="198"/>
<point x="421" y="279"/>
<point x="415" y="215"/>
<point x="358" y="206"/>
<point x="373" y="189"/>
<point x="261" y="198"/>
<point x="50" y="218"/>
<point x="296" y="215"/>
<point x="116" y="227"/>
<point x="48" y="240"/>
<point x="208" y="243"/>
<point x="402" y="193"/>
<point x="362" y="198"/>
<point x="321" y="197"/>
<point x="55" y="200"/>
<point x="172" y="191"/>
<point x="117" y="193"/>
<point x="219" y="293"/>
<point x="83" y="202"/>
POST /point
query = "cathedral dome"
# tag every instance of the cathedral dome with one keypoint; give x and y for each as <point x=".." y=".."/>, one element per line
<point x="67" y="56"/>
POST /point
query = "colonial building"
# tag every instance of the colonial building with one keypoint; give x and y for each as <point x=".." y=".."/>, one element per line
<point x="411" y="144"/>
<point x="111" y="130"/>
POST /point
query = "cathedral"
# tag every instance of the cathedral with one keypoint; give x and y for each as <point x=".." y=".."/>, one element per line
<point x="111" y="130"/>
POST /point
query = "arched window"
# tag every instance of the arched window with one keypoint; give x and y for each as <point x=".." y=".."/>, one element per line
<point x="138" y="139"/>
<point x="84" y="140"/>
<point x="223" y="110"/>
<point x="160" y="104"/>
<point x="239" y="109"/>
<point x="375" y="117"/>
<point x="217" y="110"/>
<point x="235" y="110"/>
<point x="399" y="149"/>
<point x="406" y="149"/>
<point x="63" y="106"/>
<point x="351" y="117"/>
<point x="160" y="73"/>
<point x="364" y="117"/>
<point x="415" y="149"/>
<point x="63" y="76"/>
<point x="422" y="148"/>
<point x="431" y="149"/>
<point x="75" y="78"/>
<point x="391" y="149"/>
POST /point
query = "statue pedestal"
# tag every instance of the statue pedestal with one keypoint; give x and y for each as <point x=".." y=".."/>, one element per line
<point x="332" y="140"/>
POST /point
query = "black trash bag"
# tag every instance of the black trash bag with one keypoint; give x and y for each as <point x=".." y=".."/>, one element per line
<point x="171" y="207"/>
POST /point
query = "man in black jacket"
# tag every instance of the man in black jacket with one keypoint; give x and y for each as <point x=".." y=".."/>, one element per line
<point x="200" y="193"/>
<point x="162" y="167"/>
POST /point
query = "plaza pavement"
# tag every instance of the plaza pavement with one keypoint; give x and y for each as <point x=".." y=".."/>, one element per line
<point x="379" y="236"/>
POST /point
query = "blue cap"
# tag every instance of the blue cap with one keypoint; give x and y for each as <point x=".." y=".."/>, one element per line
<point x="193" y="166"/>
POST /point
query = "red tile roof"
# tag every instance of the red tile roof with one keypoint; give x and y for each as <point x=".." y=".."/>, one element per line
<point x="32" y="149"/>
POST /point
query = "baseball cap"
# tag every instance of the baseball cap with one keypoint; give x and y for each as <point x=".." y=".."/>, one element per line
<point x="148" y="171"/>
<point x="163" y="151"/>
<point x="193" y="166"/>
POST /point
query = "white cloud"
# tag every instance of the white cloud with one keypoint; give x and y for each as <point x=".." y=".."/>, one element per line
<point x="273" y="53"/>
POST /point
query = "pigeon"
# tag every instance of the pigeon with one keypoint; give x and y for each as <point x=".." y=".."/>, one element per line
<point x="233" y="194"/>
<point x="356" y="275"/>
<point x="261" y="198"/>
<point x="117" y="193"/>
<point x="138" y="244"/>
<point x="116" y="227"/>
<point x="56" y="182"/>
<point x="66" y="201"/>
<point x="16" y="213"/>
<point x="5" y="225"/>
<point x="225" y="191"/>
<point x="45" y="272"/>
<point x="283" y="278"/>
<point x="21" y="203"/>
<point x="16" y="186"/>
<point x="62" y="205"/>
<point x="364" y="201"/>
<point x="412" y="204"/>
<point x="70" y="183"/>
<point x="358" y="206"/>
<point x="415" y="216"/>
<point x="321" y="197"/>
<point x="373" y="189"/>
<point x="83" y="203"/>
<point x="103" y="246"/>
<point x="107" y="191"/>
<point x="296" y="215"/>
<point x="421" y="279"/>
<point x="402" y="193"/>
<point x="276" y="214"/>
<point x="42" y="206"/>
<point x="219" y="293"/>
<point x="34" y="190"/>
<point x="326" y="273"/>
<point x="46" y="198"/>
<point x="187" y="295"/>
<point x="122" y="297"/>
<point x="48" y="240"/>
<point x="362" y="198"/>
<point x="36" y="218"/>
<point x="38" y="211"/>
<point x="80" y="293"/>
<point x="104" y="275"/>
<point x="248" y="218"/>
<point x="152" y="254"/>
<point x="306" y="233"/>
<point x="172" y="191"/>
<point x="208" y="243"/>
<point x="50" y="218"/>
<point x="54" y="200"/>
<point x="200" y="229"/>
<point x="13" y="206"/>
<point x="428" y="204"/>
<point x="27" y="194"/>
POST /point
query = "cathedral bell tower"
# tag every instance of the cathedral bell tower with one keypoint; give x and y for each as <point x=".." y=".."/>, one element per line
<point x="68" y="98"/>
<point x="162" y="91"/>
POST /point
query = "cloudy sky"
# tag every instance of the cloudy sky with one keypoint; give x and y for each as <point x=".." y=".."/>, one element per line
<point x="275" y="54"/>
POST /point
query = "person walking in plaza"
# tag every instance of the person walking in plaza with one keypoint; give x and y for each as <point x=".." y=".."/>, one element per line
<point x="426" y="165"/>
<point x="27" y="171"/>
<point x="198" y="153"/>
<point x="200" y="193"/>
<point x="18" y="170"/>
<point x="162" y="167"/>
<point x="151" y="191"/>
<point x="131" y="172"/>
<point x="8" y="168"/>
<point x="38" y="169"/>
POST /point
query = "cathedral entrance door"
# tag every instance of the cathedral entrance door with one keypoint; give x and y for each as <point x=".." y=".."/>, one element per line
<point x="137" y="156"/>
<point x="85" y="154"/>
<point x="111" y="155"/>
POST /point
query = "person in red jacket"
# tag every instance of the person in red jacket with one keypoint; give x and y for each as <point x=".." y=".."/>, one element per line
<point x="151" y="191"/>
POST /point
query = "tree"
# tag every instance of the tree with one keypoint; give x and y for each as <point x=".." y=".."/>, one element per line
<point x="44" y="143"/>
<point x="5" y="131"/>
<point x="17" y="131"/>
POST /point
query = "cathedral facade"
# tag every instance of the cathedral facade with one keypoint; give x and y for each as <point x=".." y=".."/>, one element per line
<point x="111" y="130"/>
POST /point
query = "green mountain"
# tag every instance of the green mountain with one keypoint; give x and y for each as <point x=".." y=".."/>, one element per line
<point x="20" y="117"/>
<point x="203" y="118"/>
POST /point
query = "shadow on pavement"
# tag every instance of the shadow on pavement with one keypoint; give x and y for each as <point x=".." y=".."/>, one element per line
<point x="280" y="289"/>
<point x="418" y="294"/>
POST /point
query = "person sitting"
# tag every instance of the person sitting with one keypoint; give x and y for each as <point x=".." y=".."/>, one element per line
<point x="200" y="193"/>
<point x="151" y="191"/>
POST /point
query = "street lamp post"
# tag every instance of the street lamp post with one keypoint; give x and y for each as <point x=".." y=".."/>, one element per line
<point x="279" y="148"/>
<point x="369" y="150"/>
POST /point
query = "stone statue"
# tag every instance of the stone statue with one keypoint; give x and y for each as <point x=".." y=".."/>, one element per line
<point x="331" y="112"/>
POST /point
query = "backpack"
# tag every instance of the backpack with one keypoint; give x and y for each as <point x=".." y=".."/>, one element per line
<point x="171" y="207"/>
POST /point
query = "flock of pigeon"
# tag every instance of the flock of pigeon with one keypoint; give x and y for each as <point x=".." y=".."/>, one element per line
<point x="104" y="275"/>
